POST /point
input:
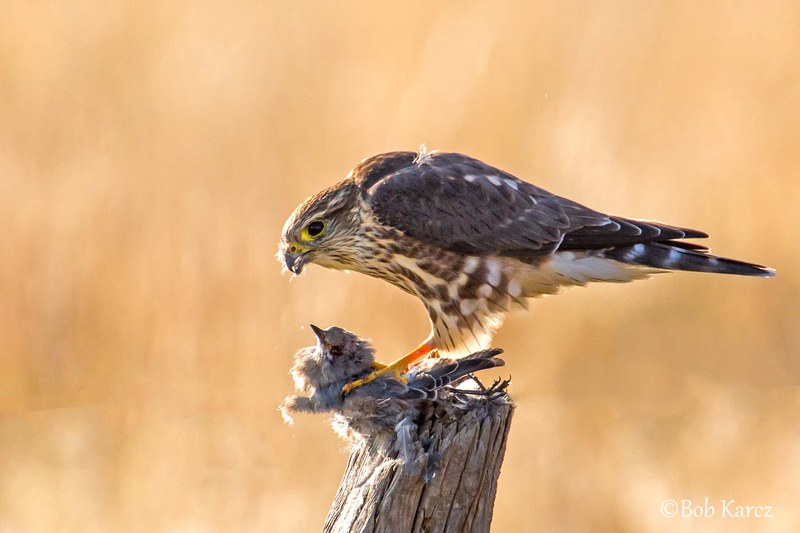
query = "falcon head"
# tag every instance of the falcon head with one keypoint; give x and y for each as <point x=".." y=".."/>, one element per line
<point x="324" y="229"/>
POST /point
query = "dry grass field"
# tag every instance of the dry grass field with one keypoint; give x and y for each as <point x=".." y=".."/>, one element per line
<point x="150" y="153"/>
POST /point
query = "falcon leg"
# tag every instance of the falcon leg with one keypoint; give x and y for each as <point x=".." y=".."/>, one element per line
<point x="396" y="369"/>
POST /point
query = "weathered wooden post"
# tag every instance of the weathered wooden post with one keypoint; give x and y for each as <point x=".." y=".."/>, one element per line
<point x="463" y="451"/>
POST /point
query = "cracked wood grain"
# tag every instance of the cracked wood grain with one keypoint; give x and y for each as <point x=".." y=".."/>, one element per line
<point x="378" y="494"/>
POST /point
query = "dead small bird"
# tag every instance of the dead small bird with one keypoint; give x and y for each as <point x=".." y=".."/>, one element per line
<point x="388" y="403"/>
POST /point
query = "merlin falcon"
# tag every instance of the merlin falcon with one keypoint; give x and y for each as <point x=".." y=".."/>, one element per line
<point x="473" y="242"/>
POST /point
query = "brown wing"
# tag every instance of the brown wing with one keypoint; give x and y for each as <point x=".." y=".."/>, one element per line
<point x="463" y="205"/>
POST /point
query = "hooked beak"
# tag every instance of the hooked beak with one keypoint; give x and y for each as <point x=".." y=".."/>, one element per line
<point x="294" y="262"/>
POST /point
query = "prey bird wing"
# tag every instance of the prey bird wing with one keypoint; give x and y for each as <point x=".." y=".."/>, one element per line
<point x="443" y="372"/>
<point x="427" y="379"/>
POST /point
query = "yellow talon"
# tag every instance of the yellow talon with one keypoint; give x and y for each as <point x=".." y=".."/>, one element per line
<point x="396" y="369"/>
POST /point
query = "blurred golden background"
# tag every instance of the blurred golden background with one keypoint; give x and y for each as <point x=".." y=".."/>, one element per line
<point x="150" y="153"/>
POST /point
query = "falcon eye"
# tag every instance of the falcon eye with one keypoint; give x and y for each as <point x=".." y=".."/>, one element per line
<point x="315" y="228"/>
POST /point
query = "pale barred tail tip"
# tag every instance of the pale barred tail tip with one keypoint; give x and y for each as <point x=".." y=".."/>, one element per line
<point x="668" y="257"/>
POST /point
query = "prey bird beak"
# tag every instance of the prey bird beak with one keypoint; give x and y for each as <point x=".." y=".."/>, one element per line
<point x="319" y="333"/>
<point x="321" y="342"/>
<point x="294" y="262"/>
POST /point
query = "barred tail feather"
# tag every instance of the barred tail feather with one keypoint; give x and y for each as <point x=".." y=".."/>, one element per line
<point x="446" y="371"/>
<point x="474" y="362"/>
<point x="679" y="256"/>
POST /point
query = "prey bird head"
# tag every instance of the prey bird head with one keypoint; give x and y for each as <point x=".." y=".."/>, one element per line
<point x="338" y="356"/>
<point x="341" y="354"/>
<point x="324" y="229"/>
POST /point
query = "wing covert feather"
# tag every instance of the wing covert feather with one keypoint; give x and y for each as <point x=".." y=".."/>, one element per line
<point x="464" y="205"/>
